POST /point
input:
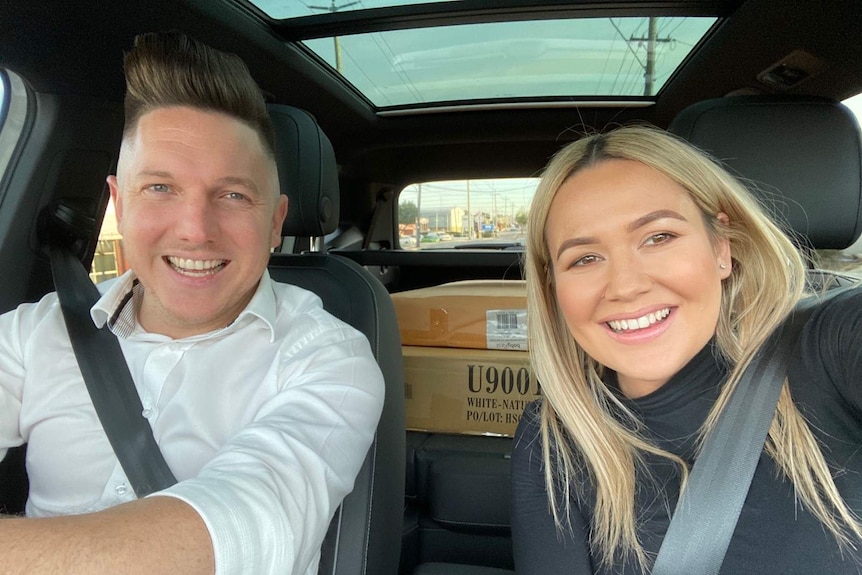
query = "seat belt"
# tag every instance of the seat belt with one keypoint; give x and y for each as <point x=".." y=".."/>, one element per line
<point x="107" y="376"/>
<point x="705" y="517"/>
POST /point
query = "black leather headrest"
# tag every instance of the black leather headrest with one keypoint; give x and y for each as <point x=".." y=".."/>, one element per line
<point x="805" y="153"/>
<point x="307" y="172"/>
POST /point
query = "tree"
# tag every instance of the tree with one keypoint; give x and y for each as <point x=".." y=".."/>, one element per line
<point x="407" y="213"/>
<point x="521" y="217"/>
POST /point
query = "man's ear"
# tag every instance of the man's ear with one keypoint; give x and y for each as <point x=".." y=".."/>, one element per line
<point x="117" y="198"/>
<point x="278" y="215"/>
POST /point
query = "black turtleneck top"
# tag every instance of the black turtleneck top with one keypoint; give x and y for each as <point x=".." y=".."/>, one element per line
<point x="775" y="533"/>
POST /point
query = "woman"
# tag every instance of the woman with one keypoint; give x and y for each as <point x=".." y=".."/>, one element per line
<point x="653" y="278"/>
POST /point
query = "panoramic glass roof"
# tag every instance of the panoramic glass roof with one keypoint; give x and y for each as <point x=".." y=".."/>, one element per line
<point x="587" y="58"/>
<point x="280" y="9"/>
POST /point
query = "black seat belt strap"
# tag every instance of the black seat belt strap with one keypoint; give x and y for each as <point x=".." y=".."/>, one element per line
<point x="108" y="380"/>
<point x="705" y="517"/>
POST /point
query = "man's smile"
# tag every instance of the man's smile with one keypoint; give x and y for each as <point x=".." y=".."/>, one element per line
<point x="196" y="268"/>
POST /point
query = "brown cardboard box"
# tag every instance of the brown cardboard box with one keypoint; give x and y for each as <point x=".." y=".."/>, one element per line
<point x="477" y="314"/>
<point x="466" y="391"/>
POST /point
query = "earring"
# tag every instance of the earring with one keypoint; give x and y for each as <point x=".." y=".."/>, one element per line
<point x="722" y="266"/>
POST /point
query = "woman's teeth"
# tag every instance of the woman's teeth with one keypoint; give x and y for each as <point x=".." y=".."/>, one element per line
<point x="647" y="320"/>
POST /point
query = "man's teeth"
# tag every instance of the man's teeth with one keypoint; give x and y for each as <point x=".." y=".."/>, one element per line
<point x="183" y="265"/>
<point x="639" y="323"/>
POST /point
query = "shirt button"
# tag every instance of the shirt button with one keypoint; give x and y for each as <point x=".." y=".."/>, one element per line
<point x="121" y="489"/>
<point x="147" y="412"/>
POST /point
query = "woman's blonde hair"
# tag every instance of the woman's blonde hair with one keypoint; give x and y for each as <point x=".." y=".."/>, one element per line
<point x="583" y="435"/>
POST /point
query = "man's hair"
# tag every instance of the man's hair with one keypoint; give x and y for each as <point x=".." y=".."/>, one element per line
<point x="173" y="69"/>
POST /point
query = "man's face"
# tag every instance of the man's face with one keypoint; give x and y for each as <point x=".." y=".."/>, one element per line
<point x="197" y="203"/>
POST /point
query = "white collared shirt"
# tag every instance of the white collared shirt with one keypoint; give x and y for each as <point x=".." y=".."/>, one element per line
<point x="265" y="423"/>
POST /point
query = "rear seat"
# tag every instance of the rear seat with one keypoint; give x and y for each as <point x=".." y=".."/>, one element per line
<point x="456" y="518"/>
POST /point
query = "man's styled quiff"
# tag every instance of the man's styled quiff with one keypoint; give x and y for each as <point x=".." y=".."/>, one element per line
<point x="172" y="69"/>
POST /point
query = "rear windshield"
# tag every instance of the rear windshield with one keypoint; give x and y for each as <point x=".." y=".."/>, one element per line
<point x="484" y="214"/>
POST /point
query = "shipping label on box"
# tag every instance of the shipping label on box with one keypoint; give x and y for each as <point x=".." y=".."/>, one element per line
<point x="506" y="329"/>
<point x="475" y="392"/>
<point x="476" y="314"/>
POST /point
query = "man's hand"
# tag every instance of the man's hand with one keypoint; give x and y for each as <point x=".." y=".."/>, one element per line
<point x="148" y="536"/>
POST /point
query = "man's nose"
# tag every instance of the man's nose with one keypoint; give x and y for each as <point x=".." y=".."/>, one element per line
<point x="627" y="278"/>
<point x="198" y="222"/>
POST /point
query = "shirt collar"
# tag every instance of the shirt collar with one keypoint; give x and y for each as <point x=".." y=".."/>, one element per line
<point x="117" y="303"/>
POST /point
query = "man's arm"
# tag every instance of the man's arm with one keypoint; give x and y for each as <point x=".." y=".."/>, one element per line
<point x="153" y="535"/>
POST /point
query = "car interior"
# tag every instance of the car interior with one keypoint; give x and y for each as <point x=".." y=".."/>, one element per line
<point x="372" y="97"/>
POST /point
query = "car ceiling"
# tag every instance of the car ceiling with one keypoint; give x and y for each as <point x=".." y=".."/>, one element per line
<point x="76" y="47"/>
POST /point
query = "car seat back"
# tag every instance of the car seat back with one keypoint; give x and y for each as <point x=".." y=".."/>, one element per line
<point x="364" y="537"/>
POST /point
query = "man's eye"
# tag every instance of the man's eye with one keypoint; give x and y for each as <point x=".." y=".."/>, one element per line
<point x="236" y="196"/>
<point x="158" y="188"/>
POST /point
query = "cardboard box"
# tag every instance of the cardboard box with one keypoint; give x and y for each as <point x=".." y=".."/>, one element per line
<point x="477" y="314"/>
<point x="475" y="392"/>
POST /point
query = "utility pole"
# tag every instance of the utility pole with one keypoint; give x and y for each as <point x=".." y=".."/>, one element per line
<point x="651" y="40"/>
<point x="469" y="214"/>
<point x="418" y="215"/>
<point x="495" y="216"/>
<point x="333" y="8"/>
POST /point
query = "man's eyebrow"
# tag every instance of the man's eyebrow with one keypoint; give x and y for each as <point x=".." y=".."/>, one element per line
<point x="653" y="216"/>
<point x="155" y="173"/>
<point x="638" y="223"/>
<point x="236" y="180"/>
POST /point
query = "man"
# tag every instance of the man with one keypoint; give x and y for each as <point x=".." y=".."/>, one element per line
<point x="262" y="404"/>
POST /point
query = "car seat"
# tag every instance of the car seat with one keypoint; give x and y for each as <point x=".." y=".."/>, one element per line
<point x="803" y="155"/>
<point x="364" y="537"/>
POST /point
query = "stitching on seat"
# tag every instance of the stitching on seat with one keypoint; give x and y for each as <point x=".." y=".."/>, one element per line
<point x="370" y="506"/>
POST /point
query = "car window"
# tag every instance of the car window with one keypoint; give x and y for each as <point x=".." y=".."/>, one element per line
<point x="13" y="112"/>
<point x="486" y="213"/>
<point x="108" y="260"/>
<point x="4" y="102"/>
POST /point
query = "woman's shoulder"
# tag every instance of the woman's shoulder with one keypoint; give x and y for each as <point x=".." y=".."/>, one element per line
<point x="837" y="312"/>
<point x="830" y="347"/>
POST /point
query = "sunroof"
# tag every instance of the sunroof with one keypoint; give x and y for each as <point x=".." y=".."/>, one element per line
<point x="571" y="59"/>
<point x="280" y="9"/>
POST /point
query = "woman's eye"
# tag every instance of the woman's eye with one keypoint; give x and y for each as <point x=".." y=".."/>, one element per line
<point x="585" y="260"/>
<point x="659" y="238"/>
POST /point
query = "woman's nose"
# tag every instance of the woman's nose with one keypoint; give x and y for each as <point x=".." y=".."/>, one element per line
<point x="626" y="279"/>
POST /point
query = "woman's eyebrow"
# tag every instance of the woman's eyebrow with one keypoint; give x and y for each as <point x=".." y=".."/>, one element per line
<point x="575" y="242"/>
<point x="653" y="216"/>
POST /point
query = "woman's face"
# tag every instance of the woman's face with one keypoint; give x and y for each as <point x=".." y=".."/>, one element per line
<point x="636" y="274"/>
